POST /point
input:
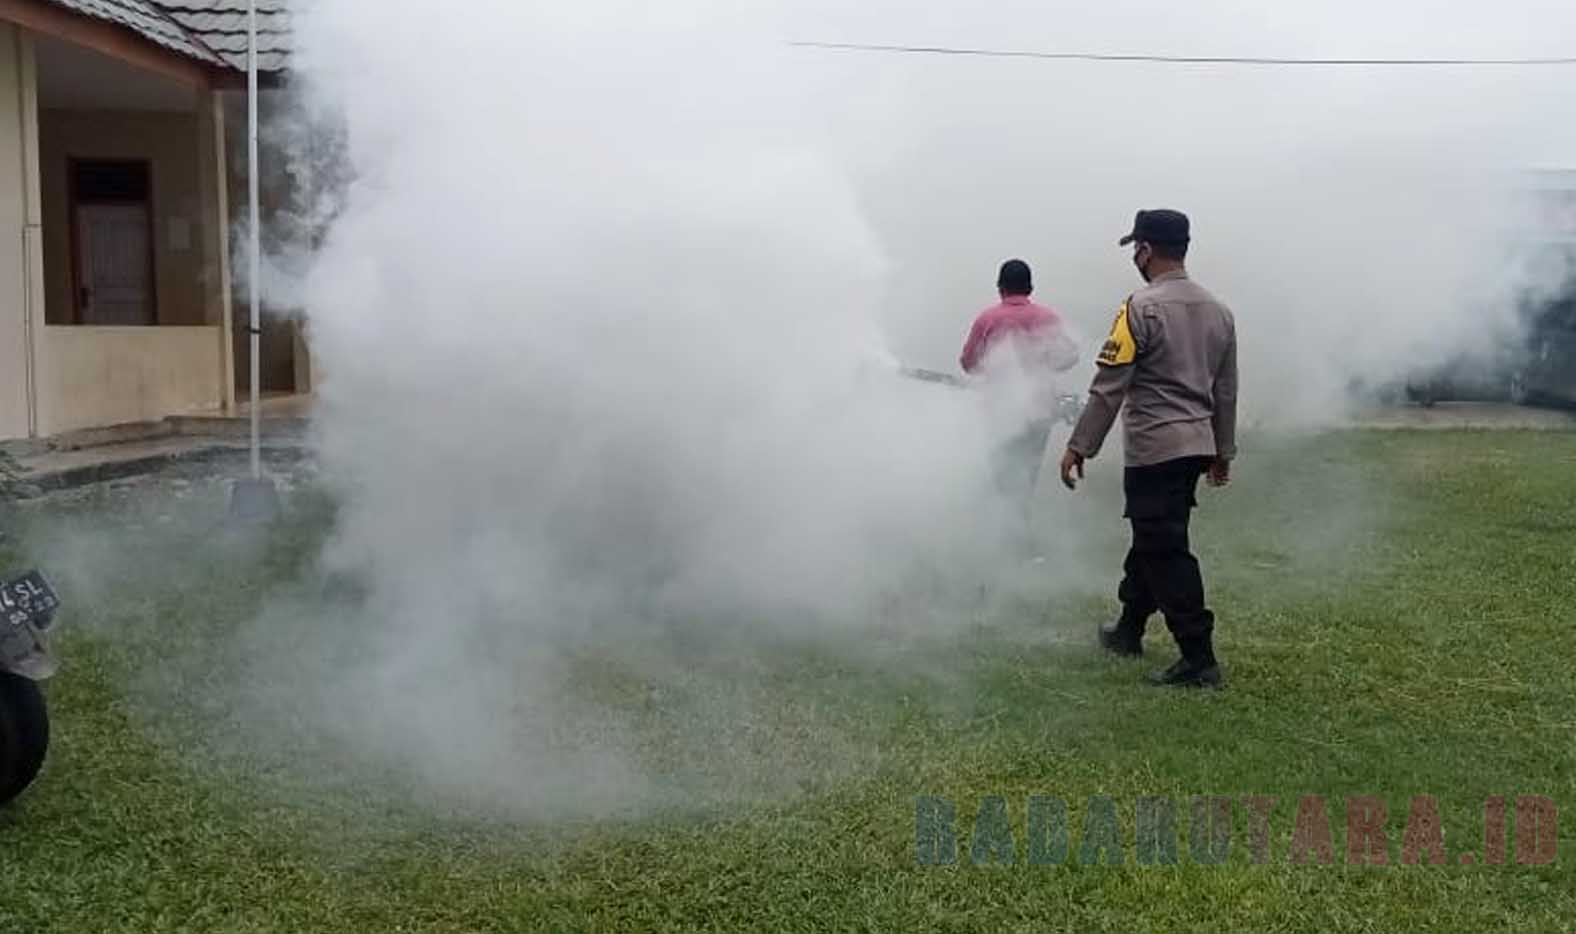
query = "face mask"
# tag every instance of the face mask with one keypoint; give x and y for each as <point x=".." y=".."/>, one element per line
<point x="1141" y="258"/>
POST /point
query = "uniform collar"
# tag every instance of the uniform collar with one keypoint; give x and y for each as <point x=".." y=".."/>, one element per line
<point x="1015" y="300"/>
<point x="1170" y="276"/>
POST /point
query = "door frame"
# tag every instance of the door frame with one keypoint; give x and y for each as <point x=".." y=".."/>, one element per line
<point x="74" y="201"/>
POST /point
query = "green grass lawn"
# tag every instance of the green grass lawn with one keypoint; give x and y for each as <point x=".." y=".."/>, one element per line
<point x="1396" y="617"/>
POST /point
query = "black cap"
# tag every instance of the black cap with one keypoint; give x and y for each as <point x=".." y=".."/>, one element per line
<point x="1162" y="226"/>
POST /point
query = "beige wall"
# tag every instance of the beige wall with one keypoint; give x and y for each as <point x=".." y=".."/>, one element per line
<point x="170" y="141"/>
<point x="97" y="376"/>
<point x="17" y="240"/>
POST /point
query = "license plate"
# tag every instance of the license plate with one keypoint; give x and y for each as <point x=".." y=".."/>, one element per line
<point x="28" y="600"/>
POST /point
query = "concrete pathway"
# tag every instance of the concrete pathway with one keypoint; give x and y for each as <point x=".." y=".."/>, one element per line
<point x="100" y="455"/>
<point x="60" y="470"/>
<point x="1469" y="415"/>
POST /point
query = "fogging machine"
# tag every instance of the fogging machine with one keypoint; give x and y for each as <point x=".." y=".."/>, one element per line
<point x="1068" y="406"/>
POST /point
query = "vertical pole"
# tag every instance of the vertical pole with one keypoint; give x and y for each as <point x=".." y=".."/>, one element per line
<point x="256" y="232"/>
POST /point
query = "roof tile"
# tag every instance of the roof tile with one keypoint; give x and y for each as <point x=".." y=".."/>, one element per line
<point x="210" y="31"/>
<point x="145" y="18"/>
<point x="221" y="25"/>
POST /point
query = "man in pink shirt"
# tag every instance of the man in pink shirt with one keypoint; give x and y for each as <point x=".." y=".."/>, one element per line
<point x="1018" y="338"/>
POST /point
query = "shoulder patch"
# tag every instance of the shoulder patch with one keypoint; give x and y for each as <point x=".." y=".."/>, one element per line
<point x="1120" y="349"/>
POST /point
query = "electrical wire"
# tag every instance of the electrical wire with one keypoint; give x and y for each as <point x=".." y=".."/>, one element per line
<point x="1186" y="59"/>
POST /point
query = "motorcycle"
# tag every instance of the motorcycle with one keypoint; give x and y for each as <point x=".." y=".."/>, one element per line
<point x="27" y="612"/>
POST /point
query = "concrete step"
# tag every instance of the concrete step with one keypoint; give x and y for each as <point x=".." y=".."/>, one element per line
<point x="278" y="427"/>
<point x="114" y="434"/>
<point x="89" y="438"/>
<point x="60" y="470"/>
<point x="288" y="424"/>
<point x="78" y="458"/>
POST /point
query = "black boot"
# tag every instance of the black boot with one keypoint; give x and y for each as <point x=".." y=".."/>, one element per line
<point x="1196" y="668"/>
<point x="1126" y="637"/>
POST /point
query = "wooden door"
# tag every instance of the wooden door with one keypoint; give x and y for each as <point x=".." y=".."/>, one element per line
<point x="115" y="283"/>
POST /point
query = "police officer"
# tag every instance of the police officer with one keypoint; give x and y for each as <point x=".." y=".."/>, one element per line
<point x="1172" y="359"/>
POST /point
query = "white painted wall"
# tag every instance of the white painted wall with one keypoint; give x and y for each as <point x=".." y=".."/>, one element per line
<point x="97" y="376"/>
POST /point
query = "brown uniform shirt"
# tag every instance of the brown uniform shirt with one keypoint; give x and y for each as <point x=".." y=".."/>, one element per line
<point x="1172" y="358"/>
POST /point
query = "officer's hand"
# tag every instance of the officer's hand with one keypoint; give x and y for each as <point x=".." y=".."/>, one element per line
<point x="1220" y="473"/>
<point x="1072" y="461"/>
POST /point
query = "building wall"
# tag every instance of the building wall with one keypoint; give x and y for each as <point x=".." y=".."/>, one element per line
<point x="18" y="230"/>
<point x="99" y="376"/>
<point x="91" y="377"/>
<point x="170" y="142"/>
<point x="57" y="378"/>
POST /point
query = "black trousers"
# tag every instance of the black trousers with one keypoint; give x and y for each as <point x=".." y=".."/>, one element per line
<point x="1160" y="572"/>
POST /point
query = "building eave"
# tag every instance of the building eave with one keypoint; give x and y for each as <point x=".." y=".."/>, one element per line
<point x="112" y="39"/>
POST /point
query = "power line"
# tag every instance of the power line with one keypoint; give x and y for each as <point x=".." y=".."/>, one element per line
<point x="1184" y="59"/>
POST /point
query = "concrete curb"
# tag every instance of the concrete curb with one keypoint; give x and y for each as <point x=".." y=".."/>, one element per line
<point x="34" y="485"/>
<point x="273" y="427"/>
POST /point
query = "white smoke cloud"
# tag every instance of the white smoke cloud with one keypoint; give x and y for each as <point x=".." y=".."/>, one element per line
<point x="608" y="312"/>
